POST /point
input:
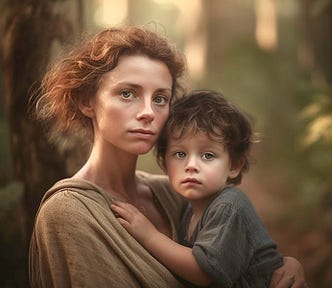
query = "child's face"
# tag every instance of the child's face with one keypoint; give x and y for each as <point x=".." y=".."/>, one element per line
<point x="197" y="166"/>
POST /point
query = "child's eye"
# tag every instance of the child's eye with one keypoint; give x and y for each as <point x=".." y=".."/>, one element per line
<point x="208" y="156"/>
<point x="161" y="100"/>
<point x="179" y="155"/>
<point x="126" y="94"/>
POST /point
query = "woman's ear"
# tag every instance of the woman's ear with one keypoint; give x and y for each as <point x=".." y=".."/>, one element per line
<point x="86" y="107"/>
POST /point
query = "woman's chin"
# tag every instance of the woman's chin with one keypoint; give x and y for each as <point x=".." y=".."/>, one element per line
<point x="143" y="152"/>
<point x="142" y="149"/>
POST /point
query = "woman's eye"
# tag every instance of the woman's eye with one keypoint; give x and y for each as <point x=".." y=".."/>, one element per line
<point x="126" y="94"/>
<point x="161" y="100"/>
<point x="208" y="156"/>
<point x="179" y="155"/>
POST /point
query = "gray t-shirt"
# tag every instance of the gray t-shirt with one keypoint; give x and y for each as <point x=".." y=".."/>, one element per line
<point x="230" y="242"/>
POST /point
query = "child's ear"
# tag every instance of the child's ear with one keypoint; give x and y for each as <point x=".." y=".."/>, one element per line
<point x="234" y="172"/>
<point x="86" y="107"/>
<point x="236" y="169"/>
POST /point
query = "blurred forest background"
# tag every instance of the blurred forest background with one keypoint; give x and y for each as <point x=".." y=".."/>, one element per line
<point x="273" y="58"/>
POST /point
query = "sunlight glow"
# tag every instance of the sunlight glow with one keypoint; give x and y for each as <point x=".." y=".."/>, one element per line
<point x="111" y="12"/>
<point x="321" y="125"/>
<point x="195" y="51"/>
<point x="115" y="12"/>
<point x="165" y="2"/>
<point x="320" y="128"/>
<point x="195" y="48"/>
<point x="266" y="24"/>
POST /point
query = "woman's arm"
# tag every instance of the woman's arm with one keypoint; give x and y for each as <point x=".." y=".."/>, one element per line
<point x="179" y="259"/>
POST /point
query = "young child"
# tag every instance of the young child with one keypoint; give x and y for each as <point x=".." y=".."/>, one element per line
<point x="204" y="149"/>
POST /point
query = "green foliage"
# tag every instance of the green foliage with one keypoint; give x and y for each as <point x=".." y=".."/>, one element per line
<point x="315" y="154"/>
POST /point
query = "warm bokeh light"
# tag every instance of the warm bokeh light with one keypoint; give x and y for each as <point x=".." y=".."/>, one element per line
<point x="195" y="46"/>
<point x="320" y="128"/>
<point x="195" y="51"/>
<point x="111" y="12"/>
<point x="266" y="24"/>
<point x="321" y="125"/>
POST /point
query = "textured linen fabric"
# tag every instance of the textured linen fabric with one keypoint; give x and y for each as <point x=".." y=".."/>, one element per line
<point x="231" y="244"/>
<point x="78" y="242"/>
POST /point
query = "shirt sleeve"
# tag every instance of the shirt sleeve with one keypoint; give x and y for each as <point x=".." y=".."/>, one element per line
<point x="222" y="248"/>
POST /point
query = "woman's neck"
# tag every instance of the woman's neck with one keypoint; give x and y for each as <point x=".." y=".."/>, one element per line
<point x="113" y="171"/>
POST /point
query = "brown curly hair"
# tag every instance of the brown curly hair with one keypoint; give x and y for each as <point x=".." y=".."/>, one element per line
<point x="77" y="76"/>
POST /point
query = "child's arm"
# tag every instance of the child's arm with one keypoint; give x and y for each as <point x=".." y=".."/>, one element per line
<point x="179" y="259"/>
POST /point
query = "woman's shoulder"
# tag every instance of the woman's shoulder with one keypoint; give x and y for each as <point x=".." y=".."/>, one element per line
<point x="71" y="197"/>
<point x="156" y="179"/>
<point x="171" y="201"/>
<point x="74" y="188"/>
<point x="159" y="184"/>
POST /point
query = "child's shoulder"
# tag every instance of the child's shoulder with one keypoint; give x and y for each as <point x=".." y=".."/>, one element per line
<point x="232" y="193"/>
<point x="233" y="197"/>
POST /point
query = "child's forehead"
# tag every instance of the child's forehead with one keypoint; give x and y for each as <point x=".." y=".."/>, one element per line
<point x="196" y="135"/>
<point x="195" y="129"/>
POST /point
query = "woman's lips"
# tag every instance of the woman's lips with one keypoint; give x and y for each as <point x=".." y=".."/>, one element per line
<point x="142" y="133"/>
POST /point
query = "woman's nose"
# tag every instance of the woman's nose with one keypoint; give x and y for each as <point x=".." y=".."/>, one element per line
<point x="146" y="111"/>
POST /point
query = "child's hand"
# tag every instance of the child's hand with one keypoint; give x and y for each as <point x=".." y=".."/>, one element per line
<point x="134" y="221"/>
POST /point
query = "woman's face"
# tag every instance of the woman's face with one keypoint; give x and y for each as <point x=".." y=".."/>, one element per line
<point x="131" y="104"/>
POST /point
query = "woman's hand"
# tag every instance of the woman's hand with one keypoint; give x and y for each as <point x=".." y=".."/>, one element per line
<point x="134" y="221"/>
<point x="290" y="275"/>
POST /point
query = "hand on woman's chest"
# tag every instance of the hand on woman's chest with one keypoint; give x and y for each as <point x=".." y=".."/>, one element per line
<point x="150" y="207"/>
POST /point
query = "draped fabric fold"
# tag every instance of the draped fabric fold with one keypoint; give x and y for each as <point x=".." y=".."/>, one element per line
<point x="78" y="242"/>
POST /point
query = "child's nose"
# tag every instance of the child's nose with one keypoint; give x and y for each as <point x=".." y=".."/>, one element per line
<point x="192" y="165"/>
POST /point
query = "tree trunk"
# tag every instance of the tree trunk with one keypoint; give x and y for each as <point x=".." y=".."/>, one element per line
<point x="29" y="28"/>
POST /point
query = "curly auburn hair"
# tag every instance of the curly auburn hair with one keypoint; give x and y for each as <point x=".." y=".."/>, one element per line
<point x="77" y="76"/>
<point x="209" y="112"/>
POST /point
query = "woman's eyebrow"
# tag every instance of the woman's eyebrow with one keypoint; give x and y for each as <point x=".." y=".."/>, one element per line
<point x="165" y="90"/>
<point x="138" y="86"/>
<point x="131" y="84"/>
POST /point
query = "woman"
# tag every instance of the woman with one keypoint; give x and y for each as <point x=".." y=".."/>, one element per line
<point x="116" y="88"/>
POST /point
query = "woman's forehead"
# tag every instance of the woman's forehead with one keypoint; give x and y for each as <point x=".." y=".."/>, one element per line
<point x="140" y="69"/>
